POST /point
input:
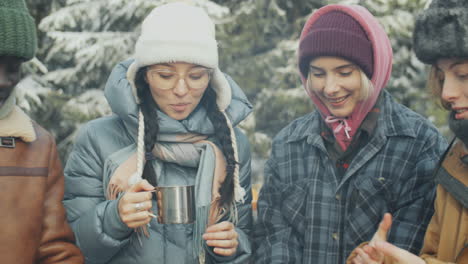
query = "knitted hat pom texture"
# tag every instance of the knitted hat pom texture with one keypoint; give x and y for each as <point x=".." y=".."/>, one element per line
<point x="179" y="32"/>
<point x="17" y="30"/>
<point x="336" y="34"/>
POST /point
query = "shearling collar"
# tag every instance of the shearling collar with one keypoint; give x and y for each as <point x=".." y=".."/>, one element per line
<point x="17" y="124"/>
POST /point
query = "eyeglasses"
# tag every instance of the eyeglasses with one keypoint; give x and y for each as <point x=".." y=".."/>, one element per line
<point x="167" y="79"/>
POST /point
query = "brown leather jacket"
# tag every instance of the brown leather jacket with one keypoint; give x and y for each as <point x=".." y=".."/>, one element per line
<point x="32" y="222"/>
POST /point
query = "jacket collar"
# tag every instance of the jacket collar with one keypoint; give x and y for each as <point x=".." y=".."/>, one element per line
<point x="17" y="124"/>
<point x="452" y="174"/>
<point x="391" y="122"/>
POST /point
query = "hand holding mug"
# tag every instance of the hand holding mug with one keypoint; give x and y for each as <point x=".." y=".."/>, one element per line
<point x="135" y="205"/>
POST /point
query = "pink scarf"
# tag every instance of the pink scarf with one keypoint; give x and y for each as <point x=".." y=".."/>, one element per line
<point x="344" y="129"/>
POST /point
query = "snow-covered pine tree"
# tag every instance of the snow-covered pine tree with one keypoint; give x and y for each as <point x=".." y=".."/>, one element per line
<point x="81" y="40"/>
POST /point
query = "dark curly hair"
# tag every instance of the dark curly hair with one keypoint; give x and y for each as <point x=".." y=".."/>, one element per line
<point x="222" y="133"/>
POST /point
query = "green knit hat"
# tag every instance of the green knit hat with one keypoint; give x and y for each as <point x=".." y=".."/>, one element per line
<point x="17" y="30"/>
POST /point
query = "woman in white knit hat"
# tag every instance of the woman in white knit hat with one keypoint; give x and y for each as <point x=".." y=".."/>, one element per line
<point x="173" y="125"/>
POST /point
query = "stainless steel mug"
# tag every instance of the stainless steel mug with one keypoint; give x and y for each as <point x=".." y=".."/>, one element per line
<point x="176" y="204"/>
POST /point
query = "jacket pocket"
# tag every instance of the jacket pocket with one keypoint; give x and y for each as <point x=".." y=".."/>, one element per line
<point x="371" y="192"/>
<point x="368" y="201"/>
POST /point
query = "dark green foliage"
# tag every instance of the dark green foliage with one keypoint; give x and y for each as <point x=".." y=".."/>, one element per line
<point x="257" y="45"/>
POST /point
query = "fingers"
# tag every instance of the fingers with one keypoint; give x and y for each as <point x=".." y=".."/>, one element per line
<point x="232" y="243"/>
<point x="224" y="251"/>
<point x="401" y="255"/>
<point x="223" y="247"/>
<point x="363" y="258"/>
<point x="138" y="197"/>
<point x="223" y="230"/>
<point x="221" y="235"/>
<point x="380" y="235"/>
<point x="134" y="217"/>
<point x="135" y="205"/>
<point x="385" y="225"/>
<point x="223" y="238"/>
<point x="141" y="186"/>
<point x="137" y="220"/>
<point x="131" y="208"/>
<point x="358" y="259"/>
<point x="382" y="231"/>
<point x="223" y="226"/>
<point x="373" y="253"/>
<point x="389" y="249"/>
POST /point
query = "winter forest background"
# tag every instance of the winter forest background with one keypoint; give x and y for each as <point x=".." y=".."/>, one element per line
<point x="81" y="40"/>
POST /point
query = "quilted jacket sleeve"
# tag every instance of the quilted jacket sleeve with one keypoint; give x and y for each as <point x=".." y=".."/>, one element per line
<point x="100" y="233"/>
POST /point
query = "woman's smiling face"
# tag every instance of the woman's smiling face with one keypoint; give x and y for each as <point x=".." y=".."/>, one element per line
<point x="337" y="83"/>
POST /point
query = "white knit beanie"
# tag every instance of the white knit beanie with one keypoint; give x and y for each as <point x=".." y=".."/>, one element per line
<point x="179" y="32"/>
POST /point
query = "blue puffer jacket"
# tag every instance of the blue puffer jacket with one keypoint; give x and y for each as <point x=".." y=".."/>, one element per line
<point x="103" y="144"/>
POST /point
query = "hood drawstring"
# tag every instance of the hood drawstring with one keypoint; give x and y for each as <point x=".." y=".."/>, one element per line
<point x="239" y="192"/>
<point x="343" y="124"/>
<point x="137" y="176"/>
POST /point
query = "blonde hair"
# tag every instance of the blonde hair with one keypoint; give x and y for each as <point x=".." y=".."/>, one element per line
<point x="435" y="85"/>
<point x="367" y="88"/>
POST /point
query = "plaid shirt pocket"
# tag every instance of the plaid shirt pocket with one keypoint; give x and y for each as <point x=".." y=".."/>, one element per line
<point x="369" y="200"/>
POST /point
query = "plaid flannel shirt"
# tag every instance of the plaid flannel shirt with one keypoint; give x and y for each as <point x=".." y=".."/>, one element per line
<point x="307" y="213"/>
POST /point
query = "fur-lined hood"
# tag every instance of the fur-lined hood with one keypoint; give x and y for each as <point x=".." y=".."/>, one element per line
<point x="119" y="95"/>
